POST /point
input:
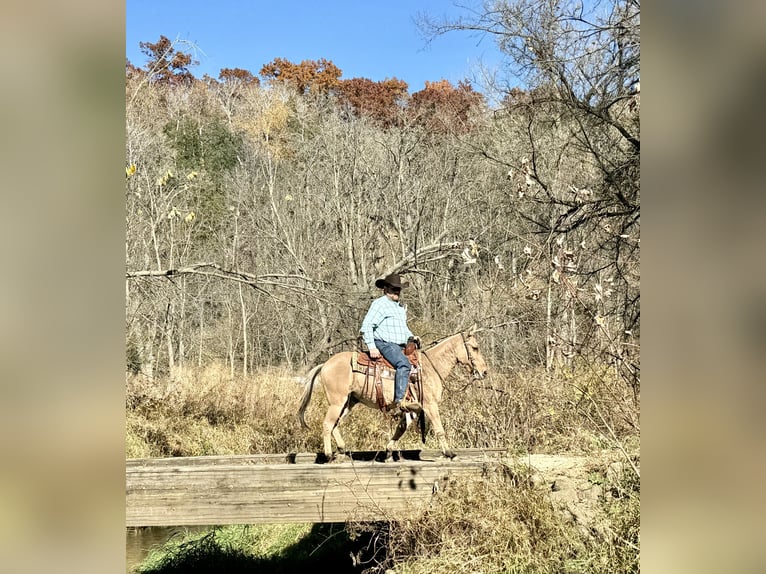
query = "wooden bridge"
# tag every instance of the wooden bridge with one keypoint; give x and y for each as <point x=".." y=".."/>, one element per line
<point x="252" y="489"/>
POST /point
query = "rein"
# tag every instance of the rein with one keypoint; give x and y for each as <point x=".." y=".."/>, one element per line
<point x="435" y="369"/>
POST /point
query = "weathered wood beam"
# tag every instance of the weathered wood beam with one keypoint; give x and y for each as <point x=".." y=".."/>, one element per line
<point x="245" y="490"/>
<point x="311" y="458"/>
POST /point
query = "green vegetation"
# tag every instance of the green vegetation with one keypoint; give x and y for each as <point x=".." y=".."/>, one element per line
<point x="277" y="549"/>
<point x="211" y="145"/>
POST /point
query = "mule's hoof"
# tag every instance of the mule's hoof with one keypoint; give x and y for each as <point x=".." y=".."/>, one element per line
<point x="342" y="456"/>
<point x="449" y="453"/>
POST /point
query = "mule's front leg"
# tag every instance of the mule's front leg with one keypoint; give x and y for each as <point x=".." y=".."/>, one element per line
<point x="431" y="410"/>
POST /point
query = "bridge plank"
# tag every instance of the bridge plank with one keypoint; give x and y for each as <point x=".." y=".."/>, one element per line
<point x="244" y="490"/>
<point x="311" y="458"/>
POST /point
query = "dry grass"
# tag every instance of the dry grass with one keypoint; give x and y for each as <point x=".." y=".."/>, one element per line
<point x="501" y="524"/>
<point x="539" y="412"/>
<point x="504" y="524"/>
<point x="211" y="412"/>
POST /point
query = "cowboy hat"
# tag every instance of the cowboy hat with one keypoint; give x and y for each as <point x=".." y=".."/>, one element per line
<point x="392" y="280"/>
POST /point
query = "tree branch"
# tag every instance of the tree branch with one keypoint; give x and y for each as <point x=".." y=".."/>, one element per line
<point x="423" y="255"/>
<point x="254" y="281"/>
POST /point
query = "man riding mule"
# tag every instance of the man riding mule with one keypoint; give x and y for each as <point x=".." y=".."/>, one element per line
<point x="386" y="334"/>
<point x="345" y="386"/>
<point x="377" y="370"/>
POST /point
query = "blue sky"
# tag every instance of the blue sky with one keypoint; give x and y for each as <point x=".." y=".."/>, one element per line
<point x="365" y="39"/>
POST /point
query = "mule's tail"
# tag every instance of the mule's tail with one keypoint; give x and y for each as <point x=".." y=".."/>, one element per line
<point x="307" y="393"/>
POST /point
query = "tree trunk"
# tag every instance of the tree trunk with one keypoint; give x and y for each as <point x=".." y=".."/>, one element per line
<point x="245" y="346"/>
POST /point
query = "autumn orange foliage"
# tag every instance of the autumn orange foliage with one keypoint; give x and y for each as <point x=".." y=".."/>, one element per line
<point x="166" y="64"/>
<point x="238" y="76"/>
<point x="310" y="76"/>
<point x="442" y="107"/>
<point x="378" y="100"/>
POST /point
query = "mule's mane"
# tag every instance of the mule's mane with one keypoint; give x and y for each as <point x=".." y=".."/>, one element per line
<point x="440" y="341"/>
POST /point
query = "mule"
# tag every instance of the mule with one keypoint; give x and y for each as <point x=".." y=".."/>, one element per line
<point x="345" y="388"/>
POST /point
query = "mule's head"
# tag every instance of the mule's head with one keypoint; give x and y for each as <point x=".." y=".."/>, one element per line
<point x="473" y="357"/>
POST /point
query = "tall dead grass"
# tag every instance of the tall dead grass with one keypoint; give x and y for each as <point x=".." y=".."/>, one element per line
<point x="501" y="524"/>
<point x="505" y="524"/>
<point x="535" y="411"/>
<point x="211" y="412"/>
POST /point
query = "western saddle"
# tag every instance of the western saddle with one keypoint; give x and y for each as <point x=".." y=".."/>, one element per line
<point x="378" y="368"/>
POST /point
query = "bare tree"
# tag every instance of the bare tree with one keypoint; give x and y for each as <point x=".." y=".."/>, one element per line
<point x="573" y="183"/>
<point x="258" y="219"/>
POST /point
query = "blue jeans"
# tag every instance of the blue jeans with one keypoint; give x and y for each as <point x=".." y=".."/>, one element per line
<point x="394" y="354"/>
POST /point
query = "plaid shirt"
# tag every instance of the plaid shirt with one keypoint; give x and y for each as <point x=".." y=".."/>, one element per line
<point x="385" y="320"/>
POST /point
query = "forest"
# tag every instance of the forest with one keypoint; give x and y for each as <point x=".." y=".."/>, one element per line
<point x="260" y="209"/>
<point x="261" y="206"/>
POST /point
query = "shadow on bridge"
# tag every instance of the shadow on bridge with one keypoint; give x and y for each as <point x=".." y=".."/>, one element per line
<point x="369" y="456"/>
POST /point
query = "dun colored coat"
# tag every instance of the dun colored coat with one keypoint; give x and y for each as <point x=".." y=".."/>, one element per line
<point x="345" y="388"/>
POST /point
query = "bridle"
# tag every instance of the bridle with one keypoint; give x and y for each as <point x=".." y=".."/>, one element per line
<point x="470" y="364"/>
<point x="468" y="353"/>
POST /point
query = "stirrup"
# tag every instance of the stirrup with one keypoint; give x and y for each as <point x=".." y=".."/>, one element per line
<point x="408" y="406"/>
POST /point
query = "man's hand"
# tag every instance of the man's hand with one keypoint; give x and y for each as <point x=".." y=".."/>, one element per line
<point x="374" y="353"/>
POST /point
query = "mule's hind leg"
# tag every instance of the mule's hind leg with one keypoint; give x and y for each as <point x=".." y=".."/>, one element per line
<point x="401" y="427"/>
<point x="350" y="402"/>
<point x="328" y="430"/>
<point x="332" y="420"/>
